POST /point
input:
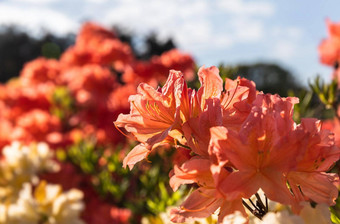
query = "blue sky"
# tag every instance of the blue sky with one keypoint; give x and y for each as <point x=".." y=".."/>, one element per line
<point x="213" y="31"/>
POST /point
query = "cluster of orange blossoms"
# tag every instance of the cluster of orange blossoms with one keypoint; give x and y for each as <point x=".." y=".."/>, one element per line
<point x="96" y="75"/>
<point x="237" y="141"/>
<point x="329" y="51"/>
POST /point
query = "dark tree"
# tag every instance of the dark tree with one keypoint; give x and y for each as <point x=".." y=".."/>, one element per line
<point x="269" y="78"/>
<point x="146" y="47"/>
<point x="17" y="48"/>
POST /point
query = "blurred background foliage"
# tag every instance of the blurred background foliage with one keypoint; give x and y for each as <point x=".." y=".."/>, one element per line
<point x="144" y="189"/>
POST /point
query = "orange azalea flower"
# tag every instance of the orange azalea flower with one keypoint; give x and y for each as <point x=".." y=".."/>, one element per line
<point x="334" y="126"/>
<point x="154" y="115"/>
<point x="189" y="119"/>
<point x="205" y="200"/>
<point x="196" y="129"/>
<point x="90" y="84"/>
<point x="270" y="152"/>
<point x="237" y="101"/>
<point x="309" y="180"/>
<point x="97" y="45"/>
<point x="329" y="49"/>
<point x="40" y="71"/>
<point x="261" y="152"/>
<point x="212" y="107"/>
<point x="36" y="125"/>
<point x="212" y="85"/>
<point x="204" y="110"/>
<point x="155" y="71"/>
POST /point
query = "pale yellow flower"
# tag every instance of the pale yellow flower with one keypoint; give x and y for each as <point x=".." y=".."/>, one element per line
<point x="59" y="207"/>
<point x="164" y="218"/>
<point x="318" y="215"/>
<point x="48" y="205"/>
<point x="29" y="159"/>
<point x="308" y="215"/>
<point x="24" y="211"/>
<point x="22" y="164"/>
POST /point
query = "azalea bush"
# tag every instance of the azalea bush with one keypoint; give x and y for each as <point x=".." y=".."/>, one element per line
<point x="69" y="105"/>
<point x="101" y="136"/>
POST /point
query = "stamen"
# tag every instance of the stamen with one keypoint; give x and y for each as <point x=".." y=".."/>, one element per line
<point x="156" y="108"/>
<point x="247" y="206"/>
<point x="147" y="108"/>
<point x="260" y="209"/>
<point x="140" y="112"/>
<point x="122" y="132"/>
<point x="260" y="204"/>
<point x="237" y="84"/>
<point x="147" y="159"/>
<point x="253" y="204"/>
<point x="155" y="113"/>
<point x="194" y="141"/>
<point x="266" y="203"/>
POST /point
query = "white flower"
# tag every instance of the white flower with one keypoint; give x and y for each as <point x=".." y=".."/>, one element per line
<point x="22" y="164"/>
<point x="281" y="217"/>
<point x="67" y="208"/>
<point x="25" y="210"/>
<point x="29" y="159"/>
<point x="235" y="218"/>
<point x="59" y="207"/>
<point x="164" y="218"/>
<point x="49" y="205"/>
<point x="308" y="215"/>
<point x="318" y="215"/>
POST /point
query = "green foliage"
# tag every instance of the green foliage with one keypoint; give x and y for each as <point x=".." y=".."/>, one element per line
<point x="303" y="108"/>
<point x="335" y="212"/>
<point x="50" y="50"/>
<point x="164" y="199"/>
<point x="62" y="103"/>
<point x="145" y="189"/>
<point x="325" y="92"/>
<point x="227" y="71"/>
<point x="85" y="156"/>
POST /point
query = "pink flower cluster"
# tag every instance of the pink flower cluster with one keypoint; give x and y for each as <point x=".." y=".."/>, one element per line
<point x="239" y="141"/>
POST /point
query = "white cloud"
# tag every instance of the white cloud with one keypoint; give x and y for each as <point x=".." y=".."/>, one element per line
<point x="241" y="7"/>
<point x="294" y="33"/>
<point x="284" y="49"/>
<point x="187" y="22"/>
<point x="35" y="1"/>
<point x="247" y="30"/>
<point x="287" y="42"/>
<point x="36" y="19"/>
<point x="97" y="1"/>
<point x="246" y="19"/>
<point x="195" y="25"/>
